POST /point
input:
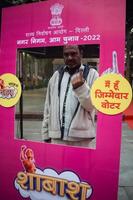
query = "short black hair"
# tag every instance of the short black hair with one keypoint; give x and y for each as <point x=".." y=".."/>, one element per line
<point x="80" y="47"/>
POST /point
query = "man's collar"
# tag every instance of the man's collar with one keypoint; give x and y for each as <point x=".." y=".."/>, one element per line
<point x="72" y="71"/>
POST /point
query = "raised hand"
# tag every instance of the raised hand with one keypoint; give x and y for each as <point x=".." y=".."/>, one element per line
<point x="114" y="68"/>
<point x="77" y="79"/>
<point x="27" y="159"/>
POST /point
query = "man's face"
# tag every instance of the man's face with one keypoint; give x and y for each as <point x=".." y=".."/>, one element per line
<point x="72" y="56"/>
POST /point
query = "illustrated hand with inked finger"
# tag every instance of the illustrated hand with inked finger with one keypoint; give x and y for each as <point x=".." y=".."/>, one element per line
<point x="108" y="94"/>
<point x="114" y="68"/>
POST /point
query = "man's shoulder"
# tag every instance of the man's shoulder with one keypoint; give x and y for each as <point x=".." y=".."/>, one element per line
<point x="92" y="76"/>
<point x="56" y="73"/>
<point x="94" y="71"/>
<point x="59" y="70"/>
<point x="54" y="77"/>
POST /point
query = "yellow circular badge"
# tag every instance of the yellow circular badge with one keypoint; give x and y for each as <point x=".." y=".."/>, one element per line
<point x="10" y="90"/>
<point x="111" y="94"/>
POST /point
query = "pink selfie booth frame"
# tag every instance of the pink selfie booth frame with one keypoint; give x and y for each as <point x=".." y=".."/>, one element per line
<point x="105" y="25"/>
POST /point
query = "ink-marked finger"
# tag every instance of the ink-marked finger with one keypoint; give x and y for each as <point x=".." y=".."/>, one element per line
<point x="114" y="62"/>
<point x="81" y="73"/>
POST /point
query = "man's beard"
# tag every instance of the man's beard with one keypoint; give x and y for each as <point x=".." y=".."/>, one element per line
<point x="73" y="70"/>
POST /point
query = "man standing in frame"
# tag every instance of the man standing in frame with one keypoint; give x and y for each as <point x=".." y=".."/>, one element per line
<point x="69" y="116"/>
